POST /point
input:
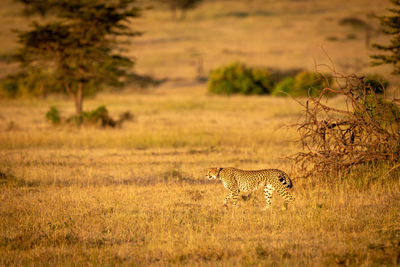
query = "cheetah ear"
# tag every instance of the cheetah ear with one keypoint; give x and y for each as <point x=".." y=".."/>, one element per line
<point x="219" y="169"/>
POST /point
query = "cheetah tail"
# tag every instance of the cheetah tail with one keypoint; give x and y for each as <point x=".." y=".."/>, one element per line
<point x="289" y="182"/>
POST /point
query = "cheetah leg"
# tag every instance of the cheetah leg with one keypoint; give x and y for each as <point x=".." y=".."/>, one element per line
<point x="232" y="194"/>
<point x="235" y="196"/>
<point x="268" y="190"/>
<point x="287" y="196"/>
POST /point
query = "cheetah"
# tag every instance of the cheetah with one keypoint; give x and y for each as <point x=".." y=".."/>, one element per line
<point x="237" y="180"/>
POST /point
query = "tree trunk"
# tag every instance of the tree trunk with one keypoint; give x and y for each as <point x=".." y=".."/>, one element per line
<point x="173" y="11"/>
<point x="76" y="96"/>
<point x="78" y="99"/>
<point x="183" y="14"/>
<point x="368" y="35"/>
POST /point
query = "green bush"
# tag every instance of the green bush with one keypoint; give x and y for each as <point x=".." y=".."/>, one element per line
<point x="310" y="83"/>
<point x="303" y="84"/>
<point x="9" y="86"/>
<point x="284" y="87"/>
<point x="383" y="112"/>
<point x="376" y="83"/>
<point x="98" y="116"/>
<point x="53" y="115"/>
<point x="237" y="78"/>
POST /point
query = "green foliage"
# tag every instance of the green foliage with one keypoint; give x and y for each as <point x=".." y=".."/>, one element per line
<point x="9" y="86"/>
<point x="391" y="26"/>
<point x="35" y="82"/>
<point x="376" y="83"/>
<point x="309" y="83"/>
<point x="38" y="83"/>
<point x="383" y="112"/>
<point x="98" y="117"/>
<point x="237" y="78"/>
<point x="284" y="87"/>
<point x="53" y="115"/>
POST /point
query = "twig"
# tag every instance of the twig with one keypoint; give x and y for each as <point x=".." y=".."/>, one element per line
<point x="395" y="167"/>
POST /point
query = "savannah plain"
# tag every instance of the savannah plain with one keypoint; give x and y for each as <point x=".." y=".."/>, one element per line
<point x="137" y="195"/>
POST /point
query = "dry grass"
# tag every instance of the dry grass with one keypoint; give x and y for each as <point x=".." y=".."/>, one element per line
<point x="138" y="195"/>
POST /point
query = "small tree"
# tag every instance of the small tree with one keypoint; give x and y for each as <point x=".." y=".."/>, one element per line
<point x="79" y="45"/>
<point x="391" y="25"/>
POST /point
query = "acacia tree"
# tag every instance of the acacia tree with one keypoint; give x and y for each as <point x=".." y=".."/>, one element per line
<point x="391" y="25"/>
<point x="80" y="44"/>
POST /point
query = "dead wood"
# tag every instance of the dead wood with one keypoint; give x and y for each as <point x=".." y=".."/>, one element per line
<point x="335" y="139"/>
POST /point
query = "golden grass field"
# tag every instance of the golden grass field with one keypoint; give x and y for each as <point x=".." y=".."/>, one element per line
<point x="138" y="195"/>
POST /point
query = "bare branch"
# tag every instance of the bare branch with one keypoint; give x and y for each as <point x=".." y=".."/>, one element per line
<point x="336" y="140"/>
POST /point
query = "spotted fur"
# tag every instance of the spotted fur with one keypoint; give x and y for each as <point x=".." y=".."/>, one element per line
<point x="236" y="180"/>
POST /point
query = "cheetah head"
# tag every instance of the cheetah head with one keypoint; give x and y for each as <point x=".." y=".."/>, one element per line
<point x="213" y="173"/>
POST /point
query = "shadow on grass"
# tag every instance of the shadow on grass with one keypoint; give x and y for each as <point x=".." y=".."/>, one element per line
<point x="9" y="180"/>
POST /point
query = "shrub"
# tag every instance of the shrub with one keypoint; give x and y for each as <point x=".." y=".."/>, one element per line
<point x="310" y="83"/>
<point x="383" y="112"/>
<point x="9" y="86"/>
<point x="353" y="21"/>
<point x="237" y="78"/>
<point x="53" y="115"/>
<point x="283" y="87"/>
<point x="376" y="83"/>
<point x="98" y="116"/>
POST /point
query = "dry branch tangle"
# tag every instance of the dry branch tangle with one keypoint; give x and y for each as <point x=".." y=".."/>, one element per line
<point x="335" y="140"/>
